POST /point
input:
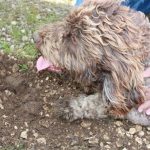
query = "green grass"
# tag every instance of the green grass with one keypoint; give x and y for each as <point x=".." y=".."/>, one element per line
<point x="23" y="67"/>
<point x="27" y="13"/>
<point x="6" y="47"/>
<point x="16" y="33"/>
<point x="28" y="51"/>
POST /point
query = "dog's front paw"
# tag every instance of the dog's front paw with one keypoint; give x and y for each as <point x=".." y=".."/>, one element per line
<point x="65" y="112"/>
<point x="138" y="118"/>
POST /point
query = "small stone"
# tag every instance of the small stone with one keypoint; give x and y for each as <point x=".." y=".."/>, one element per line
<point x="23" y="31"/>
<point x="13" y="22"/>
<point x="107" y="146"/>
<point x="118" y="123"/>
<point x="148" y="128"/>
<point x="1" y="106"/>
<point x="138" y="128"/>
<point x="3" y="29"/>
<point x="141" y="133"/>
<point x="12" y="47"/>
<point x="15" y="127"/>
<point x="85" y="124"/>
<point x="35" y="134"/>
<point x="44" y="123"/>
<point x="8" y="93"/>
<point x="38" y="17"/>
<point x="106" y="137"/>
<point x="47" y="78"/>
<point x="101" y="144"/>
<point x="41" y="140"/>
<point x="15" y="68"/>
<point x="120" y="131"/>
<point x="138" y="140"/>
<point x="119" y="143"/>
<point x="132" y="131"/>
<point x="93" y="140"/>
<point x="24" y="38"/>
<point x="24" y="134"/>
<point x="124" y="148"/>
<point x="148" y="146"/>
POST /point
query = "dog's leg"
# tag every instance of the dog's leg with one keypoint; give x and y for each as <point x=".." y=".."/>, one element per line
<point x="138" y="118"/>
<point x="84" y="107"/>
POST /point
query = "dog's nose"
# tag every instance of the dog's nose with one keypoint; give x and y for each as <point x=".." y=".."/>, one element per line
<point x="36" y="37"/>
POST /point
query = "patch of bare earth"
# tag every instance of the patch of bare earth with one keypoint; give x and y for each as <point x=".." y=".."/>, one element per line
<point x="28" y="103"/>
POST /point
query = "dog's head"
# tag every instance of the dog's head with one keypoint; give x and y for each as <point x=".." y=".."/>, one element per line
<point x="98" y="42"/>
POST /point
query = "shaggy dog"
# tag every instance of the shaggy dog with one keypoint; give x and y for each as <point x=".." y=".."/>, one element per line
<point x="104" y="46"/>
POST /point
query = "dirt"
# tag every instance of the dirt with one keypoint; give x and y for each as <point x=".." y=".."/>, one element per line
<point x="29" y="120"/>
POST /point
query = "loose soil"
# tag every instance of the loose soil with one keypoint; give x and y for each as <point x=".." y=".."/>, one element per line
<point x="28" y="106"/>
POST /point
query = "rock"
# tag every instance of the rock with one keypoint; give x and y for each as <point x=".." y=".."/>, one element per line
<point x="93" y="141"/>
<point x="138" y="128"/>
<point x="23" y="31"/>
<point x="41" y="141"/>
<point x="118" y="123"/>
<point x="44" y="123"/>
<point x="85" y="124"/>
<point x="148" y="146"/>
<point x="1" y="106"/>
<point x="141" y="133"/>
<point x="120" y="131"/>
<point x="35" y="134"/>
<point x="132" y="131"/>
<point x="24" y="38"/>
<point x="106" y="137"/>
<point x="12" y="47"/>
<point x="13" y="22"/>
<point x="24" y="134"/>
<point x="138" y="140"/>
<point x="119" y="143"/>
<point x="15" y="68"/>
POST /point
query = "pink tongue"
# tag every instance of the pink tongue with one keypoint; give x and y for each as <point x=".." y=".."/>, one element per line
<point x="43" y="64"/>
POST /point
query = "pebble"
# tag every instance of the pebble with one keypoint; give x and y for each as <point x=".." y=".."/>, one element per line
<point x="85" y="124"/>
<point x="93" y="140"/>
<point x="119" y="143"/>
<point x="106" y="137"/>
<point x="41" y="140"/>
<point x="138" y="128"/>
<point x="24" y="134"/>
<point x="24" y="38"/>
<point x="132" y="131"/>
<point x="23" y="31"/>
<point x="35" y="134"/>
<point x="15" y="127"/>
<point x="13" y="22"/>
<point x="118" y="123"/>
<point x="15" y="68"/>
<point x="138" y="140"/>
<point x="1" y="106"/>
<point x="120" y="131"/>
<point x="141" y="133"/>
<point x="148" y="146"/>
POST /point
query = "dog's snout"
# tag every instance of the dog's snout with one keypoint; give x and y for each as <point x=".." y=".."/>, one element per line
<point x="36" y="37"/>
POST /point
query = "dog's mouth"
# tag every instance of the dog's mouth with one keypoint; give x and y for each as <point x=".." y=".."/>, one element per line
<point x="43" y="64"/>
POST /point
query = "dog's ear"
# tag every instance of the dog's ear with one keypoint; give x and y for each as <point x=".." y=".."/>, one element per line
<point x="122" y="82"/>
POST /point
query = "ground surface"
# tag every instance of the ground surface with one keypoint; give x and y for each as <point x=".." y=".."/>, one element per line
<point x="28" y="103"/>
<point x="29" y="100"/>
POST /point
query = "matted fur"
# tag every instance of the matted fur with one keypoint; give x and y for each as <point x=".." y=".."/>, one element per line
<point x="102" y="45"/>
